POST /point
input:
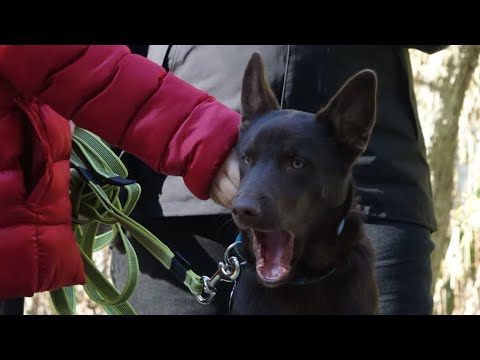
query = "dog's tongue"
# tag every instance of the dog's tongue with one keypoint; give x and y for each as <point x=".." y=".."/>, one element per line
<point x="273" y="252"/>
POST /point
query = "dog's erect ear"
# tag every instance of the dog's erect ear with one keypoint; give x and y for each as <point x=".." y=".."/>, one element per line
<point x="351" y="112"/>
<point x="257" y="96"/>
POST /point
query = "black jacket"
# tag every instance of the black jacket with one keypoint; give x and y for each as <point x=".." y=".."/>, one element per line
<point x="393" y="176"/>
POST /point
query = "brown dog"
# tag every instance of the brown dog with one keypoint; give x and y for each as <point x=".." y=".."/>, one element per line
<point x="303" y="239"/>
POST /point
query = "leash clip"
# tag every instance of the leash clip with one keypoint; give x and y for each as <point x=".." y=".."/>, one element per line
<point x="228" y="271"/>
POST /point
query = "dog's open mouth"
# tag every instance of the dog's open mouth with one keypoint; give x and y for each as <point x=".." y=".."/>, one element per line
<point x="273" y="252"/>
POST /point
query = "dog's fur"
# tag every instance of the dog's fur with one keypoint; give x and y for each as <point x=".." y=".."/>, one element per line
<point x="296" y="187"/>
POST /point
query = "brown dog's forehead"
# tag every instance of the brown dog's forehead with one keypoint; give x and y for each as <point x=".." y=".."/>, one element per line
<point x="286" y="127"/>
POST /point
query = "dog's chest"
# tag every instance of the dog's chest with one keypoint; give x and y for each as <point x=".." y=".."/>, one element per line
<point x="352" y="293"/>
<point x="251" y="298"/>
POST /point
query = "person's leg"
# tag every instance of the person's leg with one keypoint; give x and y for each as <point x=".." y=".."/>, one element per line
<point x="12" y="306"/>
<point x="403" y="267"/>
<point x="201" y="240"/>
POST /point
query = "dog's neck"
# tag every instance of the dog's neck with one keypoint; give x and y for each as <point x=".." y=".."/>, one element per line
<point x="331" y="243"/>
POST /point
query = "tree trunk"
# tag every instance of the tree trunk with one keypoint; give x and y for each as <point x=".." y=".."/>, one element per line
<point x="460" y="66"/>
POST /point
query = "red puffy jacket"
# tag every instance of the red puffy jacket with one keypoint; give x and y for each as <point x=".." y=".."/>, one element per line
<point x="127" y="100"/>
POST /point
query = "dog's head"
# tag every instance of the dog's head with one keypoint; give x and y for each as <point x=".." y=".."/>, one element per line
<point x="295" y="170"/>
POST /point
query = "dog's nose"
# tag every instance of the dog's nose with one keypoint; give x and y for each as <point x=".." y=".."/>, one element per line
<point x="245" y="210"/>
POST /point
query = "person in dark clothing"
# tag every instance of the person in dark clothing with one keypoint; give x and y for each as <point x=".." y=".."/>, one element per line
<point x="393" y="176"/>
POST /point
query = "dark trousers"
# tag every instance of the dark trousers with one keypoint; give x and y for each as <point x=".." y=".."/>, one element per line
<point x="201" y="240"/>
<point x="12" y="306"/>
<point x="403" y="266"/>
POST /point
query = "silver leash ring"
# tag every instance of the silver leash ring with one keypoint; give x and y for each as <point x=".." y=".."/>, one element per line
<point x="231" y="270"/>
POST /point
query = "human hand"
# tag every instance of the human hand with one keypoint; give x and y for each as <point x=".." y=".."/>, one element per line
<point x="226" y="181"/>
<point x="72" y="127"/>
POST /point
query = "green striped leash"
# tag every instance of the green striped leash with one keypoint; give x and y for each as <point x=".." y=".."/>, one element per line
<point x="97" y="176"/>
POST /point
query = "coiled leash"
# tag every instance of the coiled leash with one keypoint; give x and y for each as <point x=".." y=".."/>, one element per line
<point x="97" y="176"/>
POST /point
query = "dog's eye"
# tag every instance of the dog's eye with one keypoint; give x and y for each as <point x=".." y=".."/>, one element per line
<point x="246" y="160"/>
<point x="298" y="164"/>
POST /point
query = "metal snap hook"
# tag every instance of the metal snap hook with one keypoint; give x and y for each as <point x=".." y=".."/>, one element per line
<point x="209" y="291"/>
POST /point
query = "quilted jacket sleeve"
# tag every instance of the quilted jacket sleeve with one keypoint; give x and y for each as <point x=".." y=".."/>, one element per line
<point x="130" y="102"/>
